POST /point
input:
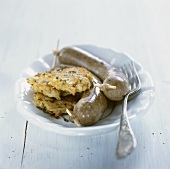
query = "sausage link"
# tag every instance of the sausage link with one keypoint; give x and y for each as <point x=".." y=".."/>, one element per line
<point x="78" y="57"/>
<point x="106" y="73"/>
<point x="91" y="106"/>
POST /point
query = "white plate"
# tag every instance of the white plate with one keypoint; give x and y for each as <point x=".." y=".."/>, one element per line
<point x="136" y="106"/>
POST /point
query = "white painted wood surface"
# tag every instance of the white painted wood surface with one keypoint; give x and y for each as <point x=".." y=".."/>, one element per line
<point x="30" y="29"/>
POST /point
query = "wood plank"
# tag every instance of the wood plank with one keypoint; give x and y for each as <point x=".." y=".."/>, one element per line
<point x="130" y="26"/>
<point x="30" y="30"/>
<point x="11" y="124"/>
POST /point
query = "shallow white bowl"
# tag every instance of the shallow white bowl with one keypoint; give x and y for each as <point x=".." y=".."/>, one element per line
<point x="139" y="105"/>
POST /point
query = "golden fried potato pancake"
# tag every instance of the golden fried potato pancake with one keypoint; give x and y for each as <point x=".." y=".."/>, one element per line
<point x="59" y="90"/>
<point x="40" y="85"/>
<point x="54" y="106"/>
<point x="70" y="80"/>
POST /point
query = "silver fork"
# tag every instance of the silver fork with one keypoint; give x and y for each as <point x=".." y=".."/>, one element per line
<point x="126" y="140"/>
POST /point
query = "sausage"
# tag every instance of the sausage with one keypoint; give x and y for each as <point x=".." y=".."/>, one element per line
<point x="78" y="57"/>
<point x="88" y="110"/>
<point x="107" y="74"/>
<point x="91" y="106"/>
<point x="116" y="78"/>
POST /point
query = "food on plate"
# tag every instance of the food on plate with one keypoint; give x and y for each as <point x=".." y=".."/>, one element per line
<point x="40" y="85"/>
<point x="61" y="82"/>
<point x="81" y="92"/>
<point x="115" y="83"/>
<point x="76" y="94"/>
<point x="53" y="106"/>
<point x="70" y="80"/>
<point x="91" y="106"/>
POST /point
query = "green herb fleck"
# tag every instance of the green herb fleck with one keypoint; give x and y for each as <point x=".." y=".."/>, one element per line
<point x="66" y="120"/>
<point x="59" y="70"/>
<point x="49" y="101"/>
<point x="64" y="81"/>
<point x="72" y="71"/>
<point x="44" y="109"/>
<point x="80" y="79"/>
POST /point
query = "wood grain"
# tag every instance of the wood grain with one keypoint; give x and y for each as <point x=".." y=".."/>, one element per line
<point x="30" y="29"/>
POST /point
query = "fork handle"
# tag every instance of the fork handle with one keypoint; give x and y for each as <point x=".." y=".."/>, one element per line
<point x="126" y="140"/>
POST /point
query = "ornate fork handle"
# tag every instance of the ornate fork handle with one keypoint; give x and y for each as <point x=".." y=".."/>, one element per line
<point x="127" y="140"/>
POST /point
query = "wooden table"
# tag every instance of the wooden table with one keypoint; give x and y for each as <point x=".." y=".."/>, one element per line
<point x="30" y="29"/>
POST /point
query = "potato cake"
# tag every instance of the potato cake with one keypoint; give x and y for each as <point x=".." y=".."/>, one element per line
<point x="59" y="90"/>
<point x="40" y="85"/>
<point x="70" y="80"/>
<point x="54" y="106"/>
